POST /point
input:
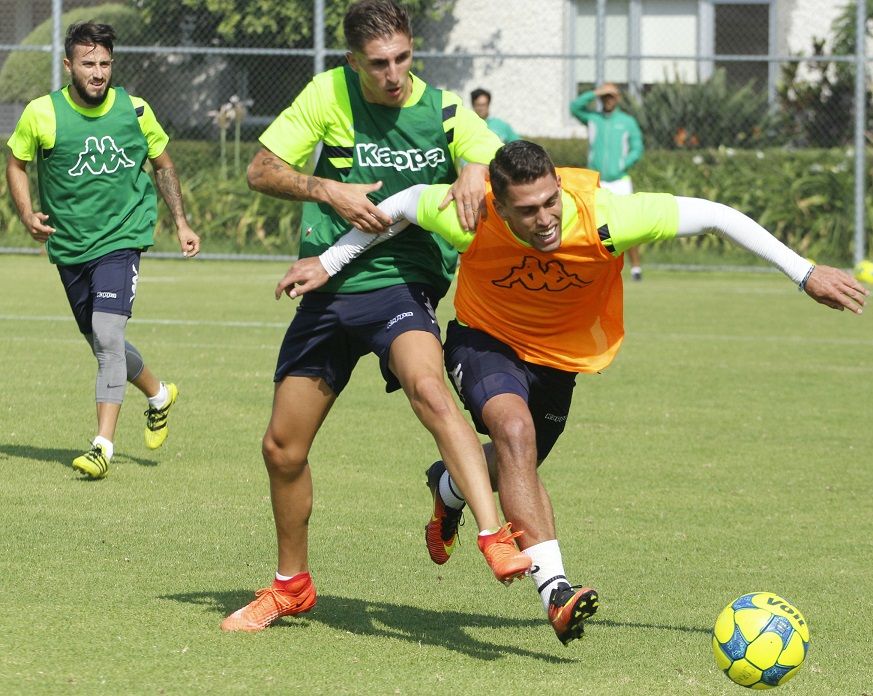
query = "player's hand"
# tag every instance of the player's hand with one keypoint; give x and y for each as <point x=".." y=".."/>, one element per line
<point x="304" y="275"/>
<point x="468" y="192"/>
<point x="351" y="202"/>
<point x="38" y="228"/>
<point x="189" y="241"/>
<point x="835" y="288"/>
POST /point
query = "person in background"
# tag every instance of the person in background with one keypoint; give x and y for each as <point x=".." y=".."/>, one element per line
<point x="481" y="100"/>
<point x="90" y="141"/>
<point x="615" y="144"/>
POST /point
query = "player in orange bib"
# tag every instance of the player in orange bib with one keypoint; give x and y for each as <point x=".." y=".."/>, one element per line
<point x="539" y="299"/>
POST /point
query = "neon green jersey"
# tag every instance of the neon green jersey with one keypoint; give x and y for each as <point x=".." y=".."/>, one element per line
<point x="36" y="129"/>
<point x="630" y="220"/>
<point x="92" y="184"/>
<point x="422" y="142"/>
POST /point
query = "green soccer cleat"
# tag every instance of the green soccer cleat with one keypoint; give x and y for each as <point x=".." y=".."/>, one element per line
<point x="156" y="420"/>
<point x="93" y="463"/>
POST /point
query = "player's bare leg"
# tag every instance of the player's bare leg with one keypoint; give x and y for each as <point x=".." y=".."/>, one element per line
<point x="300" y="405"/>
<point x="416" y="359"/>
<point x="523" y="497"/>
<point x="525" y="502"/>
<point x="636" y="263"/>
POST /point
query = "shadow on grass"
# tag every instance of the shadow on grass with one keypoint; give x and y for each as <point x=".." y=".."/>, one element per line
<point x="64" y="457"/>
<point x="657" y="627"/>
<point x="444" y="629"/>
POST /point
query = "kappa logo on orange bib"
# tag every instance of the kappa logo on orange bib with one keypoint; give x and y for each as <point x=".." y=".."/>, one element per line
<point x="101" y="157"/>
<point x="533" y="275"/>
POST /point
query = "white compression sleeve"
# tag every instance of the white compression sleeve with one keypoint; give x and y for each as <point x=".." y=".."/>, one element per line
<point x="697" y="215"/>
<point x="402" y="207"/>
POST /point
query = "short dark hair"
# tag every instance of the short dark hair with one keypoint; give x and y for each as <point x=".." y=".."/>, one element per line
<point x="518" y="162"/>
<point x="479" y="92"/>
<point x="366" y="20"/>
<point x="89" y="33"/>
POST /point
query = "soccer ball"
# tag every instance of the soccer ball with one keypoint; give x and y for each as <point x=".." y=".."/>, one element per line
<point x="864" y="272"/>
<point x="760" y="640"/>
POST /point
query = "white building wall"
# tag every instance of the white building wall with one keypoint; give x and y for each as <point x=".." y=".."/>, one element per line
<point x="533" y="94"/>
<point x="530" y="94"/>
<point x="801" y="20"/>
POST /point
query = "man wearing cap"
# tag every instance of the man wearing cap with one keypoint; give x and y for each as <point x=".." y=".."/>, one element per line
<point x="615" y="144"/>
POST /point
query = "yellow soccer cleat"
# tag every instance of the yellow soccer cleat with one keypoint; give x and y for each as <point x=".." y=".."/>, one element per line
<point x="93" y="463"/>
<point x="156" y="420"/>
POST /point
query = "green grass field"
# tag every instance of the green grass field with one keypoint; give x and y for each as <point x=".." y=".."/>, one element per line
<point x="727" y="450"/>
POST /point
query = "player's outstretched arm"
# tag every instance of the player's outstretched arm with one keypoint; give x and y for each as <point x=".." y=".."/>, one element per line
<point x="269" y="174"/>
<point x="829" y="286"/>
<point x="835" y="288"/>
<point x="312" y="273"/>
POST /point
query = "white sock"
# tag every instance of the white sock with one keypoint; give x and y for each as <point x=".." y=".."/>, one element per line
<point x="159" y="400"/>
<point x="283" y="578"/>
<point x="547" y="570"/>
<point x="449" y="492"/>
<point x="108" y="449"/>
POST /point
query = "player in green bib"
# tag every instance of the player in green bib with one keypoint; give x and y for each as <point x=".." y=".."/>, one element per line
<point x="99" y="207"/>
<point x="381" y="130"/>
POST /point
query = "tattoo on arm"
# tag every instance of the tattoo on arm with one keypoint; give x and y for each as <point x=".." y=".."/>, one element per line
<point x="168" y="184"/>
<point x="276" y="178"/>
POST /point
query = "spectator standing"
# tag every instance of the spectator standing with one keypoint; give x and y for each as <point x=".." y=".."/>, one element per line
<point x="615" y="144"/>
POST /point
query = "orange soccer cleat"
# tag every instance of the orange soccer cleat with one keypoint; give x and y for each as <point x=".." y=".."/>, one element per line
<point x="506" y="561"/>
<point x="569" y="607"/>
<point x="441" y="532"/>
<point x="296" y="596"/>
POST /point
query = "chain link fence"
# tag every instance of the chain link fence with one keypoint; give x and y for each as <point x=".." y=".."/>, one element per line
<point x="769" y="83"/>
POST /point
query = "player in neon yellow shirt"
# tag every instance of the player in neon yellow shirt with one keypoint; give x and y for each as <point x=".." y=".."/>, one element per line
<point x="539" y="299"/>
<point x="382" y="129"/>
<point x="90" y="142"/>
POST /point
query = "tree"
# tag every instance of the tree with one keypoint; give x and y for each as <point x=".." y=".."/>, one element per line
<point x="27" y="75"/>
<point x="262" y="23"/>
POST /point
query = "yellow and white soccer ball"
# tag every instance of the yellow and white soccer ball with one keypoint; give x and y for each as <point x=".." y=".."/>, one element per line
<point x="760" y="640"/>
<point x="864" y="272"/>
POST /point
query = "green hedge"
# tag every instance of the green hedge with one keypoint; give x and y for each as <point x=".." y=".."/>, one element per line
<point x="805" y="197"/>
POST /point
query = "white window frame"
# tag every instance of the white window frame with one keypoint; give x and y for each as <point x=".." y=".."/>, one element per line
<point x="706" y="39"/>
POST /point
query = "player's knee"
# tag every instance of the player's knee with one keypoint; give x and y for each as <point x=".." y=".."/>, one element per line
<point x="515" y="432"/>
<point x="430" y="397"/>
<point x="281" y="458"/>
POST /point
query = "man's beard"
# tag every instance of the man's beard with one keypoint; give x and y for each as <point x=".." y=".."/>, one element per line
<point x="81" y="90"/>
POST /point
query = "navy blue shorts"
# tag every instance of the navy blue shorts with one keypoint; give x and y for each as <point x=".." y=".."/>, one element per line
<point x="106" y="284"/>
<point x="332" y="331"/>
<point x="482" y="367"/>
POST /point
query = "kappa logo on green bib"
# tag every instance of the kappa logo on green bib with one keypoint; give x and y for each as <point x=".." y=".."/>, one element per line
<point x="371" y="155"/>
<point x="101" y="157"/>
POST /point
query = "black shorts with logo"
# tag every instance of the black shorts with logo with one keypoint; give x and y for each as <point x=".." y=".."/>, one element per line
<point x="482" y="367"/>
<point x="332" y="331"/>
<point x="106" y="284"/>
